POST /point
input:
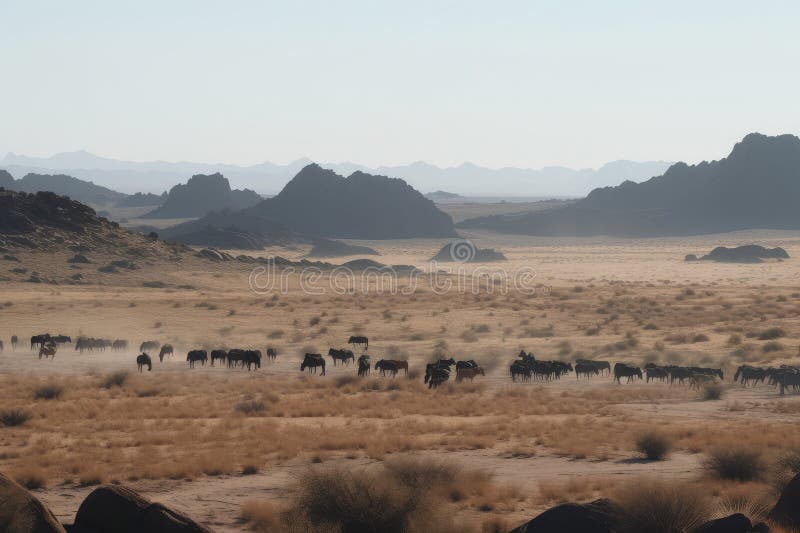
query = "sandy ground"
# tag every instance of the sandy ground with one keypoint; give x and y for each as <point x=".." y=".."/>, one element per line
<point x="579" y="284"/>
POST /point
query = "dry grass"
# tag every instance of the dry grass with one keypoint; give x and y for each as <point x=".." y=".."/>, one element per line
<point x="661" y="507"/>
<point x="654" y="446"/>
<point x="14" y="417"/>
<point x="736" y="464"/>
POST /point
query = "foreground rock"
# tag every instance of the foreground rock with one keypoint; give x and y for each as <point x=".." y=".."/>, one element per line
<point x="786" y="512"/>
<point x="21" y="512"/>
<point x="594" y="517"/>
<point x="118" y="509"/>
<point x="735" y="523"/>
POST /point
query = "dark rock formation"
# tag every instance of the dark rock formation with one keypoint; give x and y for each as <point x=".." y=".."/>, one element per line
<point x="690" y="258"/>
<point x="751" y="253"/>
<point x="594" y="517"/>
<point x="201" y="195"/>
<point x="756" y="186"/>
<point x="118" y="509"/>
<point x="735" y="523"/>
<point x="23" y="213"/>
<point x="786" y="512"/>
<point x="6" y="180"/>
<point x="319" y="202"/>
<point x="21" y="512"/>
<point x="78" y="258"/>
<point x="463" y="251"/>
<point x="332" y="248"/>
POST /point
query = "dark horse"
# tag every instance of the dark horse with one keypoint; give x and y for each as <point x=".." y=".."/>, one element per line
<point x="272" y="354"/>
<point x="312" y="361"/>
<point x="363" y="366"/>
<point x="358" y="340"/>
<point x="165" y="350"/>
<point x="197" y="355"/>
<point x="14" y="341"/>
<point x="148" y="346"/>
<point x="142" y="360"/>
<point x="345" y="356"/>
<point x="218" y="355"/>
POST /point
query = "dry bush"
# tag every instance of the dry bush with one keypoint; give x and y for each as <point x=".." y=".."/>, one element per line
<point x="49" y="391"/>
<point x="14" y="417"/>
<point x="772" y="346"/>
<point x="115" y="379"/>
<point x="653" y="445"/>
<point x="735" y="464"/>
<point x="734" y="340"/>
<point x="771" y="333"/>
<point x="661" y="507"/>
<point x="262" y="516"/>
<point x="712" y="391"/>
<point x="31" y="478"/>
<point x="251" y="407"/>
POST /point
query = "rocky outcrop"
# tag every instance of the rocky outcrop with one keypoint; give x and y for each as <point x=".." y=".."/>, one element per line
<point x="23" y="213"/>
<point x="201" y="195"/>
<point x="232" y="230"/>
<point x="142" y="200"/>
<point x="22" y="512"/>
<point x="319" y="202"/>
<point x="464" y="251"/>
<point x="6" y="180"/>
<point x="333" y="248"/>
<point x="594" y="517"/>
<point x="118" y="509"/>
<point x="751" y="253"/>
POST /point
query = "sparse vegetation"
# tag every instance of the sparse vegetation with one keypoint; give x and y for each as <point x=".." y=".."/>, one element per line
<point x="654" y="446"/>
<point x="736" y="464"/>
<point x="50" y="391"/>
<point x="115" y="379"/>
<point x="14" y="417"/>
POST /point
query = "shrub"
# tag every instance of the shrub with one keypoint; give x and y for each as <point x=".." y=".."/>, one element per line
<point x="48" y="392"/>
<point x="14" y="417"/>
<point x="653" y="445"/>
<point x="700" y="337"/>
<point x="251" y="407"/>
<point x="772" y="346"/>
<point x="712" y="391"/>
<point x="737" y="464"/>
<point x="115" y="379"/>
<point x="771" y="333"/>
<point x="660" y="507"/>
<point x="734" y="340"/>
<point x="31" y="479"/>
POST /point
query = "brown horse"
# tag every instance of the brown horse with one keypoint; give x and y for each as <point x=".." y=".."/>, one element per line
<point x="48" y="350"/>
<point x="468" y="373"/>
<point x="165" y="350"/>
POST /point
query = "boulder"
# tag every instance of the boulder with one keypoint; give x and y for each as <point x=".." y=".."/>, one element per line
<point x="594" y="517"/>
<point x="690" y="257"/>
<point x="786" y="512"/>
<point x="735" y="523"/>
<point x="22" y="512"/>
<point x="78" y="258"/>
<point x="118" y="509"/>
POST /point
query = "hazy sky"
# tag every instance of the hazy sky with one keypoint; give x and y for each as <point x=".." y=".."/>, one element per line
<point x="496" y="83"/>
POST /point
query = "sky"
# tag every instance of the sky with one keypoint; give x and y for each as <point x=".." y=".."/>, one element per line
<point x="496" y="83"/>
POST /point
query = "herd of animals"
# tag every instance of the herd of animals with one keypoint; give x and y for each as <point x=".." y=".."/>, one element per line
<point x="525" y="367"/>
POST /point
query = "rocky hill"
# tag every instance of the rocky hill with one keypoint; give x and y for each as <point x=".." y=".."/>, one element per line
<point x="142" y="200"/>
<point x="750" y="253"/>
<point x="80" y="190"/>
<point x="319" y="202"/>
<point x="201" y="195"/>
<point x="333" y="248"/>
<point x="232" y="230"/>
<point x="756" y="186"/>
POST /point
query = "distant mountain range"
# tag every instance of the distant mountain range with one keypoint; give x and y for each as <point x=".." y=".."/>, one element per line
<point x="201" y="195"/>
<point x="269" y="178"/>
<point x="756" y="186"/>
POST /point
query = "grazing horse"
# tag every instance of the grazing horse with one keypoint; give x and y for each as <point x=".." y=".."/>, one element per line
<point x="119" y="345"/>
<point x="148" y="346"/>
<point x="358" y="340"/>
<point x="656" y="373"/>
<point x="272" y="354"/>
<point x="1" y="346"/>
<point x="679" y="373"/>
<point x="14" y="342"/>
<point x="520" y="369"/>
<point x="48" y="350"/>
<point x="440" y="364"/>
<point x="468" y="373"/>
<point x="601" y="366"/>
<point x="345" y="356"/>
<point x="587" y="369"/>
<point x="165" y="350"/>
<point x="621" y="370"/>
<point x="252" y="358"/>
<point x="39" y="340"/>
<point x="787" y="379"/>
<point x="385" y="365"/>
<point x="437" y="377"/>
<point x="142" y="360"/>
<point x="235" y="357"/>
<point x="363" y="366"/>
<point x="218" y="355"/>
<point x="312" y="361"/>
<point x="747" y="374"/>
<point x="197" y="355"/>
